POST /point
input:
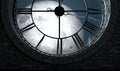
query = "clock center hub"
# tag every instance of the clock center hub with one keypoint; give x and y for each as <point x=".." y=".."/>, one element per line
<point x="59" y="11"/>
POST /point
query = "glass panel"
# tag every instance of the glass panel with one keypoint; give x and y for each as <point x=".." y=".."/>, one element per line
<point x="24" y="20"/>
<point x="81" y="22"/>
<point x="33" y="36"/>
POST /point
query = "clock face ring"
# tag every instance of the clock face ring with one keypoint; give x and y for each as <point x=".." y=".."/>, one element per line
<point x="59" y="29"/>
<point x="50" y="30"/>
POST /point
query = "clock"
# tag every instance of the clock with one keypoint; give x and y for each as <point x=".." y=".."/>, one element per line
<point x="57" y="31"/>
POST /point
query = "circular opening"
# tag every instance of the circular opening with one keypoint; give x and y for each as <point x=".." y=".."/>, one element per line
<point x="61" y="28"/>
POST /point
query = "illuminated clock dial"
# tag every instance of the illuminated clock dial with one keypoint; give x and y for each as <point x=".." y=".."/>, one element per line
<point x="61" y="27"/>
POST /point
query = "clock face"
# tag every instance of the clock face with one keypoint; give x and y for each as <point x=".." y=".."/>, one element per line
<point x="61" y="27"/>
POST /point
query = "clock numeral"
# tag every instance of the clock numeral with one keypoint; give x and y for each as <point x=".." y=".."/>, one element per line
<point x="78" y="41"/>
<point x="24" y="11"/>
<point x="94" y="11"/>
<point x="59" y="47"/>
<point x="91" y="28"/>
<point x="40" y="41"/>
<point x="28" y="27"/>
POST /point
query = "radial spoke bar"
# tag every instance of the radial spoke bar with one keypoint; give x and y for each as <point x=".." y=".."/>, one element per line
<point x="94" y="11"/>
<point x="23" y="10"/>
<point x="59" y="47"/>
<point x="29" y="10"/>
<point x="76" y="10"/>
<point x="42" y="10"/>
<point x="59" y="27"/>
<point x="89" y="11"/>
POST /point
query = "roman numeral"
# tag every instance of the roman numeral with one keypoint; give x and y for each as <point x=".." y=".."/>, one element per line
<point x="23" y="10"/>
<point x="27" y="27"/>
<point x="59" y="47"/>
<point x="78" y="41"/>
<point x="94" y="11"/>
<point x="40" y="41"/>
<point x="91" y="28"/>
